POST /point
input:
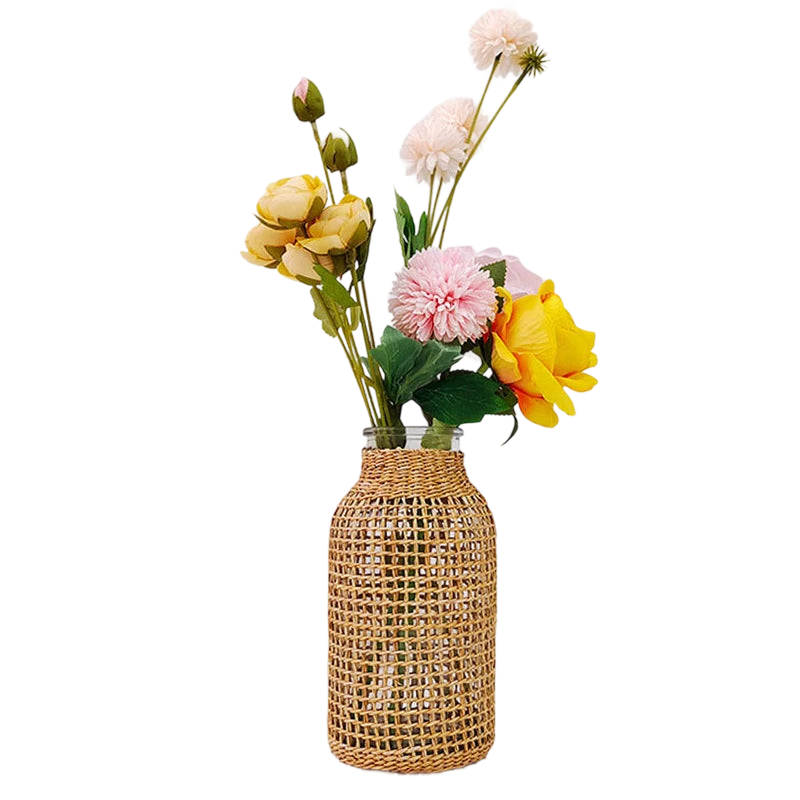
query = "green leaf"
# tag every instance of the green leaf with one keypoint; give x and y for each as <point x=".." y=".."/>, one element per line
<point x="515" y="428"/>
<point x="434" y="358"/>
<point x="460" y="397"/>
<point x="396" y="355"/>
<point x="334" y="290"/>
<point x="405" y="227"/>
<point x="322" y="312"/>
<point x="438" y="436"/>
<point x="497" y="272"/>
<point x="419" y="241"/>
<point x="319" y="314"/>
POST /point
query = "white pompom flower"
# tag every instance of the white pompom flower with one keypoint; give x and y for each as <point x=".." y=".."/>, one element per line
<point x="438" y="140"/>
<point x="501" y="33"/>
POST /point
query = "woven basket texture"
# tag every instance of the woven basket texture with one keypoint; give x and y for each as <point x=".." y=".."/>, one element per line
<point x="411" y="616"/>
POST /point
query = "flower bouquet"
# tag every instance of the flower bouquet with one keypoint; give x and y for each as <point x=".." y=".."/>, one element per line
<point x="472" y="331"/>
<point x="412" y="549"/>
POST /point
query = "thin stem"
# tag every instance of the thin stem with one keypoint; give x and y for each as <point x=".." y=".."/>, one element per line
<point x="429" y="236"/>
<point x="345" y="187"/>
<point x="483" y="97"/>
<point x="430" y="198"/>
<point x="448" y="203"/>
<point x="319" y="147"/>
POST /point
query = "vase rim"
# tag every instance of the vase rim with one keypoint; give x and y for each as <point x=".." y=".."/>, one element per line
<point x="412" y="430"/>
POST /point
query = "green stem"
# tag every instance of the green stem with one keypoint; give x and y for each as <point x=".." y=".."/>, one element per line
<point x="483" y="97"/>
<point x="319" y="147"/>
<point x="445" y="215"/>
<point x="345" y="187"/>
<point x="429" y="237"/>
<point x="430" y="198"/>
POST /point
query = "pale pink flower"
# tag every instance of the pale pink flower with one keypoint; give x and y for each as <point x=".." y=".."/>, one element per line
<point x="501" y="33"/>
<point x="443" y="295"/>
<point x="520" y="280"/>
<point x="459" y="114"/>
<point x="433" y="148"/>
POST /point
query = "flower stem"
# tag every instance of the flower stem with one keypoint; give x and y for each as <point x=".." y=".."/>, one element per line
<point x="445" y="215"/>
<point x="345" y="187"/>
<point x="319" y="147"/>
<point x="483" y="97"/>
<point x="430" y="199"/>
<point x="429" y="236"/>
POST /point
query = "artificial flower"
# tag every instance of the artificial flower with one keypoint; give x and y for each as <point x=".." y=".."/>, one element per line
<point x="291" y="202"/>
<point x="299" y="263"/>
<point x="459" y="113"/>
<point x="501" y="34"/>
<point x="443" y="295"/>
<point x="339" y="152"/>
<point x="428" y="147"/>
<point x="307" y="101"/>
<point x="339" y="228"/>
<point x="537" y="350"/>
<point x="520" y="280"/>
<point x="265" y="246"/>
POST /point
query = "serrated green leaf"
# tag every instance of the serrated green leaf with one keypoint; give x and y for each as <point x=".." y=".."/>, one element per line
<point x="497" y="272"/>
<point x="433" y="358"/>
<point x="323" y="313"/>
<point x="396" y="355"/>
<point x="461" y="397"/>
<point x="334" y="290"/>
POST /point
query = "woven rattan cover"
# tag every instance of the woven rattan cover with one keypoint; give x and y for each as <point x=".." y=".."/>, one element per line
<point x="412" y="609"/>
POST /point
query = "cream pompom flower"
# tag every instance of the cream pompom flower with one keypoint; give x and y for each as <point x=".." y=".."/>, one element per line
<point x="443" y="295"/>
<point x="438" y="140"/>
<point x="501" y="33"/>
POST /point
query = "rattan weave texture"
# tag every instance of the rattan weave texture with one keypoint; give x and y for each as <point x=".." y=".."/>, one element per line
<point x="411" y="614"/>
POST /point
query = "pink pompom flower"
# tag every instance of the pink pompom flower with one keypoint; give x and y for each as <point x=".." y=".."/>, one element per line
<point x="519" y="280"/>
<point x="501" y="34"/>
<point x="443" y="295"/>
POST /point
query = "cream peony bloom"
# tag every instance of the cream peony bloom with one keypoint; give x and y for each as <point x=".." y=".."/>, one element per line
<point x="339" y="228"/>
<point x="501" y="33"/>
<point x="265" y="246"/>
<point x="298" y="263"/>
<point x="438" y="140"/>
<point x="291" y="202"/>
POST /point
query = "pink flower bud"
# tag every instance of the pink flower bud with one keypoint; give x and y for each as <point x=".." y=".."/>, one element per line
<point x="301" y="90"/>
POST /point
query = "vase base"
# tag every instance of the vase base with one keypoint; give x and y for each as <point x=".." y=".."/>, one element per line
<point x="444" y="767"/>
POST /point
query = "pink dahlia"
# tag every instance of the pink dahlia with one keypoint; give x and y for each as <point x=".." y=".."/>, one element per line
<point x="519" y="280"/>
<point x="443" y="295"/>
<point x="501" y="34"/>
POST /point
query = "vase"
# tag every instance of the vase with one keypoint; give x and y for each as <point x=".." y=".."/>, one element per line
<point x="412" y="609"/>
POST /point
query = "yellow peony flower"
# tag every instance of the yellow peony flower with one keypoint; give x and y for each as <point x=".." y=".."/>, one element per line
<point x="538" y="350"/>
<point x="298" y="264"/>
<point x="340" y="228"/>
<point x="291" y="202"/>
<point x="265" y="246"/>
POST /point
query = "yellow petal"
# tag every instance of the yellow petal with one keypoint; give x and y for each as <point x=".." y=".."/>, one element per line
<point x="285" y="272"/>
<point x="592" y="360"/>
<point x="503" y="362"/>
<point x="574" y="349"/>
<point x="547" y="287"/>
<point x="323" y="245"/>
<point x="537" y="410"/>
<point x="579" y="382"/>
<point x="501" y="320"/>
<point x="530" y="330"/>
<point x="259" y="262"/>
<point x="538" y="380"/>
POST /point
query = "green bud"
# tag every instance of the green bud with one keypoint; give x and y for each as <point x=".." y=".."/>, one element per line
<point x="307" y="101"/>
<point x="339" y="152"/>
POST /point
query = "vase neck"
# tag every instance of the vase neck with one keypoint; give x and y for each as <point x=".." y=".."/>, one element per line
<point x="422" y="473"/>
<point x="435" y="437"/>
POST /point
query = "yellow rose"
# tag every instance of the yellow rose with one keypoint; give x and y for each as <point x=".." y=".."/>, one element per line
<point x="265" y="246"/>
<point x="291" y="202"/>
<point x="538" y="350"/>
<point x="298" y="264"/>
<point x="340" y="228"/>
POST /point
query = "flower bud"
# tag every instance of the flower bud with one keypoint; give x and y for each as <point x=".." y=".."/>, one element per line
<point x="291" y="202"/>
<point x="339" y="152"/>
<point x="307" y="101"/>
<point x="298" y="264"/>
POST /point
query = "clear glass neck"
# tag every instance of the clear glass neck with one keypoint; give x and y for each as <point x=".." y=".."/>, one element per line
<point x="438" y="437"/>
